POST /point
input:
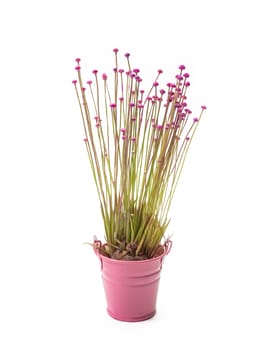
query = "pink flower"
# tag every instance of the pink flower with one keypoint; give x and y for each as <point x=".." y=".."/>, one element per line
<point x="74" y="82"/>
<point x="179" y="77"/>
<point x="115" y="50"/>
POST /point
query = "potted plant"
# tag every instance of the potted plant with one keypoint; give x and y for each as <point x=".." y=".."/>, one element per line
<point x="137" y="141"/>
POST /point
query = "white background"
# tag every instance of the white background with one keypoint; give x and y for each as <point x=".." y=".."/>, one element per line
<point x="211" y="289"/>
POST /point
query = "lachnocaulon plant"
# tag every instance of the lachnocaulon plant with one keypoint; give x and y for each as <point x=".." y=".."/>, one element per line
<point x="136" y="142"/>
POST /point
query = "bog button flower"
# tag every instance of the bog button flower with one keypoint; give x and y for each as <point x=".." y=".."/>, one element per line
<point x="136" y="148"/>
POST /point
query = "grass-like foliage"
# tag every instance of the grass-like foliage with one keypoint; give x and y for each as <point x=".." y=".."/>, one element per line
<point x="137" y="141"/>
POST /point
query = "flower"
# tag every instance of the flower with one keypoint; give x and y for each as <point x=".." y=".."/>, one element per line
<point x="137" y="147"/>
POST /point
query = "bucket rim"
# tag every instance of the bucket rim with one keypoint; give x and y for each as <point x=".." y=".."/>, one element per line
<point x="167" y="248"/>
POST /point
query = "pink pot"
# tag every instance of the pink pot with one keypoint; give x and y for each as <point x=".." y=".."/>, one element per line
<point x="131" y="287"/>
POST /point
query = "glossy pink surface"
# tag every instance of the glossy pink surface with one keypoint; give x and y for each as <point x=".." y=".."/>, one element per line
<point x="131" y="287"/>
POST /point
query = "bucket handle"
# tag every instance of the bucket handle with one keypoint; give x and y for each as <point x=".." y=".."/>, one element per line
<point x="96" y="246"/>
<point x="167" y="248"/>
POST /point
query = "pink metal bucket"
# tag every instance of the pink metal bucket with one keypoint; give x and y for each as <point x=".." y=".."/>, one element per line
<point x="131" y="287"/>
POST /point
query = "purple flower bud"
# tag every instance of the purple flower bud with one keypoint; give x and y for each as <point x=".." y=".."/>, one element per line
<point x="123" y="130"/>
<point x="77" y="60"/>
<point x="181" y="67"/>
<point x="77" y="68"/>
<point x="115" y="50"/>
<point x="203" y="107"/>
<point x="104" y="76"/>
<point x="195" y="120"/>
<point x="156" y="83"/>
<point x="160" y="71"/>
<point x="132" y="104"/>
<point x="186" y="75"/>
<point x="95" y="71"/>
<point x="127" y="55"/>
<point x="179" y="77"/>
<point x="136" y="70"/>
<point x="162" y="91"/>
<point x="133" y="139"/>
<point x="187" y="83"/>
<point x="74" y="82"/>
<point x="121" y="70"/>
<point x="113" y="105"/>
<point x="89" y="82"/>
